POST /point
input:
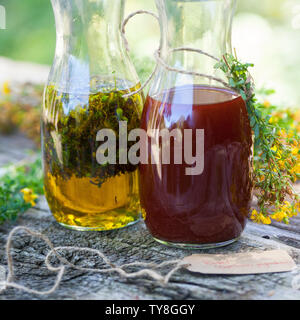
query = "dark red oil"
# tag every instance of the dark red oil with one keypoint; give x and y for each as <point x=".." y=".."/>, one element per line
<point x="212" y="207"/>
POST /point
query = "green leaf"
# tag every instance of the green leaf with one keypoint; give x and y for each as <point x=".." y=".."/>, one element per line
<point x="12" y="203"/>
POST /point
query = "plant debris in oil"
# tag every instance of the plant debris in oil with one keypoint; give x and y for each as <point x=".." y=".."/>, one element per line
<point x="69" y="137"/>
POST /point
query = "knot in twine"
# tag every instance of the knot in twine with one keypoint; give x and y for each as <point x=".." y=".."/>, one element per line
<point x="110" y="267"/>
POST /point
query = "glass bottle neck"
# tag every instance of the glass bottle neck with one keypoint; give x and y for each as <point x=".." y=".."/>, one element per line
<point x="89" y="49"/>
<point x="199" y="24"/>
<point x="84" y="27"/>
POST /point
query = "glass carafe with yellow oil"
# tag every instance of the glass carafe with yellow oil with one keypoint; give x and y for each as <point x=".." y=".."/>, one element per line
<point x="90" y="89"/>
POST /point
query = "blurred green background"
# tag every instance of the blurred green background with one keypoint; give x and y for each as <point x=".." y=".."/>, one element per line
<point x="266" y="32"/>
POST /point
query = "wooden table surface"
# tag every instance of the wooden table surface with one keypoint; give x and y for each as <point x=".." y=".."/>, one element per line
<point x="135" y="244"/>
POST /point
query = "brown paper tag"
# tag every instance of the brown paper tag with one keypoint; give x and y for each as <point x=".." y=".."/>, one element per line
<point x="241" y="263"/>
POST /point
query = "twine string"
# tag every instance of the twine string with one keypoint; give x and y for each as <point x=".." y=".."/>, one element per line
<point x="110" y="267"/>
<point x="152" y="273"/>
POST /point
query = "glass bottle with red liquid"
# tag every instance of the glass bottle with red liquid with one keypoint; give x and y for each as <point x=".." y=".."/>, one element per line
<point x="200" y="198"/>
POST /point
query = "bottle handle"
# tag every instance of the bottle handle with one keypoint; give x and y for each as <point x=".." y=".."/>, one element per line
<point x="160" y="61"/>
<point x="127" y="47"/>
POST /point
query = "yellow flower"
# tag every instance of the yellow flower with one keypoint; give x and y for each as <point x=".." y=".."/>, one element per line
<point x="293" y="213"/>
<point x="260" y="218"/>
<point x="5" y="88"/>
<point x="254" y="214"/>
<point x="278" y="153"/>
<point x="266" y="104"/>
<point x="264" y="219"/>
<point x="297" y="206"/>
<point x="279" y="216"/>
<point x="283" y="133"/>
<point x="281" y="164"/>
<point x="296" y="169"/>
<point x="287" y="210"/>
<point x="29" y="196"/>
<point x="295" y="151"/>
<point x="290" y="134"/>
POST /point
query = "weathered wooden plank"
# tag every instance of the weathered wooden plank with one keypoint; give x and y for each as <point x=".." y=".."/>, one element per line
<point x="135" y="244"/>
